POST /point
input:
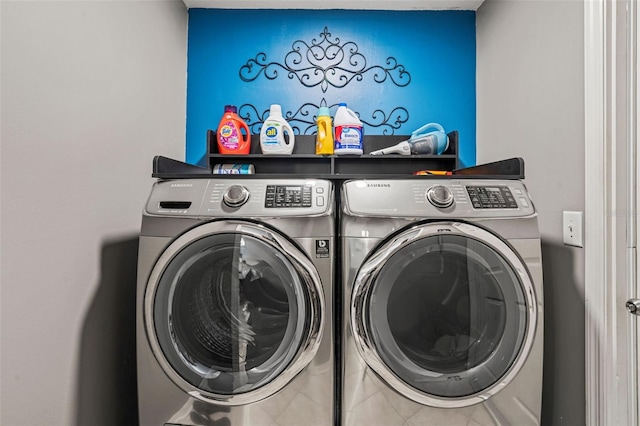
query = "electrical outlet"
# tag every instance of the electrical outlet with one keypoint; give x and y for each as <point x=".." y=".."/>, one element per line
<point x="572" y="228"/>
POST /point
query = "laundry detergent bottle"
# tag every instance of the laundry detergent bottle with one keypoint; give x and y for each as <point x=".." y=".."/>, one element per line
<point x="276" y="135"/>
<point x="324" y="137"/>
<point x="231" y="139"/>
<point x="348" y="132"/>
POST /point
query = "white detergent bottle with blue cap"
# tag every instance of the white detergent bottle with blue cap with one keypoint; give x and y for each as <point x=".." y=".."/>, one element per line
<point x="276" y="135"/>
<point x="348" y="132"/>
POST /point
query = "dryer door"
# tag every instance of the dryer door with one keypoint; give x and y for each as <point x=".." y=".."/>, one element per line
<point x="445" y="313"/>
<point x="233" y="311"/>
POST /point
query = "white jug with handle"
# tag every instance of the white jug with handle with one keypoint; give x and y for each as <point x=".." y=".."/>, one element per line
<point x="276" y="135"/>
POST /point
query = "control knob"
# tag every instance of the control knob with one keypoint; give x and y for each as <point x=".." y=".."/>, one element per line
<point x="235" y="196"/>
<point x="440" y="196"/>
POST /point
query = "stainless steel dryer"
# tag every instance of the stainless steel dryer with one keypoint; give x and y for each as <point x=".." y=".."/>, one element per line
<point x="442" y="309"/>
<point x="234" y="322"/>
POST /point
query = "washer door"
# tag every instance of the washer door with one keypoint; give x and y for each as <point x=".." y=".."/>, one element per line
<point x="445" y="313"/>
<point x="233" y="311"/>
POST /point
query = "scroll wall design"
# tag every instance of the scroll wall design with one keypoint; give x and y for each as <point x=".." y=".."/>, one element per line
<point x="322" y="63"/>
<point x="325" y="63"/>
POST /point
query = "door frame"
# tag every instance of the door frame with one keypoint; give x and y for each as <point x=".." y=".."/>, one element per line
<point x="609" y="400"/>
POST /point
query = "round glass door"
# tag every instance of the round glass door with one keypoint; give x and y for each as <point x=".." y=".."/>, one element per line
<point x="233" y="311"/>
<point x="445" y="313"/>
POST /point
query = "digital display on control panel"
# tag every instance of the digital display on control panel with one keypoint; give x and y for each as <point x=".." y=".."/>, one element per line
<point x="491" y="197"/>
<point x="283" y="196"/>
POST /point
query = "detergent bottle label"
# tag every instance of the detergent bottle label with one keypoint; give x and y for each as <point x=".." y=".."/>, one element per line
<point x="348" y="136"/>
<point x="276" y="135"/>
<point x="271" y="135"/>
<point x="229" y="135"/>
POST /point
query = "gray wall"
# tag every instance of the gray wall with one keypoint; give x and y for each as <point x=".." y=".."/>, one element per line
<point x="91" y="91"/>
<point x="530" y="77"/>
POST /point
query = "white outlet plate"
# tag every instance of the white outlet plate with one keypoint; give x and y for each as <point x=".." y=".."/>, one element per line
<point x="572" y="227"/>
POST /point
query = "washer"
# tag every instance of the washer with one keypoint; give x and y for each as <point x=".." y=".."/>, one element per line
<point x="234" y="315"/>
<point x="442" y="303"/>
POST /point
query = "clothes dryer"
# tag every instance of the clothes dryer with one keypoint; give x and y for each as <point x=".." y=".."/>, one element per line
<point x="234" y="319"/>
<point x="442" y="303"/>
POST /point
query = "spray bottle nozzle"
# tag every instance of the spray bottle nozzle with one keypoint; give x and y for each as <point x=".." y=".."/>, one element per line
<point x="403" y="148"/>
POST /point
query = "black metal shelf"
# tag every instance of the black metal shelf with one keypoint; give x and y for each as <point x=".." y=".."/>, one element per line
<point x="303" y="161"/>
<point x="511" y="168"/>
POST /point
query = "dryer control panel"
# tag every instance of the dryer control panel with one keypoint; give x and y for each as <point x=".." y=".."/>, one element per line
<point x="491" y="197"/>
<point x="471" y="198"/>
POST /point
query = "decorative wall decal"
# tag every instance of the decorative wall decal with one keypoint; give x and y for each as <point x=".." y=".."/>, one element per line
<point x="325" y="62"/>
<point x="389" y="123"/>
<point x="303" y="120"/>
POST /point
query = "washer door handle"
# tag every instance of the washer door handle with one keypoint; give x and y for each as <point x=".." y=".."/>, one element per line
<point x="633" y="306"/>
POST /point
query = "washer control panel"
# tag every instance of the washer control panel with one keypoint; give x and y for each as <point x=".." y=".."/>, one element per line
<point x="288" y="196"/>
<point x="241" y="197"/>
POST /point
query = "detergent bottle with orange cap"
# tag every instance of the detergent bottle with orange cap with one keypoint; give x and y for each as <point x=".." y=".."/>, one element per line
<point x="231" y="139"/>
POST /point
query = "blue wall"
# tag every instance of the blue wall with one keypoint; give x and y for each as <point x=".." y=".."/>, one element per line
<point x="398" y="70"/>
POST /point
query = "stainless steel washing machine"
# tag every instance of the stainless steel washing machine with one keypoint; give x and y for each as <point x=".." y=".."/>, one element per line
<point x="442" y="303"/>
<point x="235" y="286"/>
